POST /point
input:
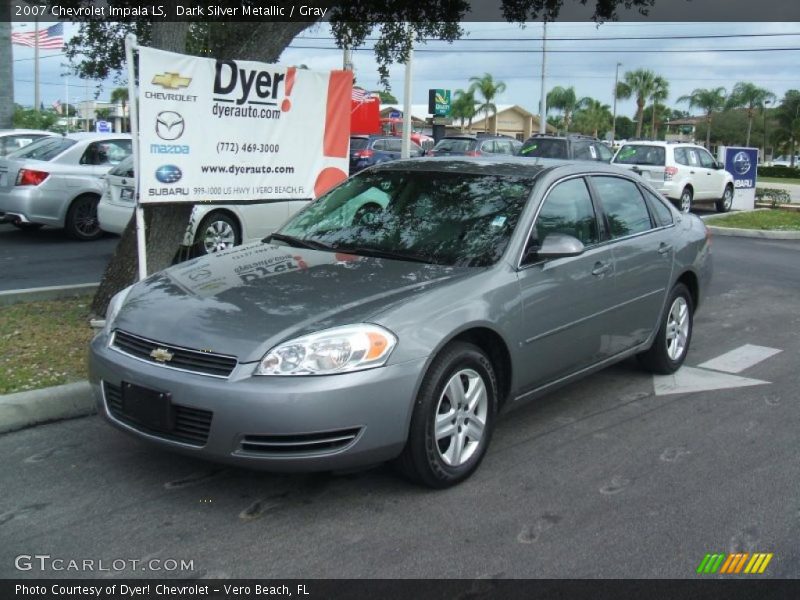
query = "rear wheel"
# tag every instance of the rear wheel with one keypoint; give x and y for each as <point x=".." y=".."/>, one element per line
<point x="81" y="222"/>
<point x="725" y="203"/>
<point x="671" y="345"/>
<point x="218" y="231"/>
<point x="685" y="203"/>
<point x="453" y="418"/>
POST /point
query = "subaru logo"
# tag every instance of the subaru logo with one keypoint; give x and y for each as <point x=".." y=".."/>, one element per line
<point x="168" y="174"/>
<point x="169" y="125"/>
<point x="741" y="163"/>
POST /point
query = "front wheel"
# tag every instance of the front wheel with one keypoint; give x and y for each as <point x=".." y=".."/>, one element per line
<point x="725" y="203"/>
<point x="453" y="418"/>
<point x="671" y="345"/>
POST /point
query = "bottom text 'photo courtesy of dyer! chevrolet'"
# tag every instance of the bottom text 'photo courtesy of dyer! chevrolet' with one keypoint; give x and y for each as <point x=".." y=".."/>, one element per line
<point x="395" y="316"/>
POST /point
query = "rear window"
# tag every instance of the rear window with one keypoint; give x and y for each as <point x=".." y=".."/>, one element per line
<point x="44" y="149"/>
<point x="358" y="143"/>
<point x="455" y="145"/>
<point x="637" y="154"/>
<point x="544" y="148"/>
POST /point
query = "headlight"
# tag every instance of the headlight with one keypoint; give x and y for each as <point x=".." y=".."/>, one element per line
<point x="113" y="308"/>
<point x="336" y="350"/>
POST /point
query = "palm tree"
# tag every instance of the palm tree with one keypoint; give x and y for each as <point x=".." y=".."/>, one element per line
<point x="565" y="100"/>
<point x="593" y="115"/>
<point x="463" y="107"/>
<point x="639" y="83"/>
<point x="488" y="88"/>
<point x="710" y="100"/>
<point x="749" y="96"/>
<point x="659" y="93"/>
<point x="789" y="120"/>
<point x="120" y="95"/>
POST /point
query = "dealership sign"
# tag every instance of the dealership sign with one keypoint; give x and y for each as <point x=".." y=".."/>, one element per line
<point x="742" y="163"/>
<point x="233" y="131"/>
<point x="439" y="103"/>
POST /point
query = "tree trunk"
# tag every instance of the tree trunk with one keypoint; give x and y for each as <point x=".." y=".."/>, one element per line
<point x="639" y="118"/>
<point x="653" y="124"/>
<point x="7" y="77"/>
<point x="708" y="132"/>
<point x="749" y="126"/>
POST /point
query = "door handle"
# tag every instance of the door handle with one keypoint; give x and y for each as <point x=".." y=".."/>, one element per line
<point x="601" y="268"/>
<point x="664" y="248"/>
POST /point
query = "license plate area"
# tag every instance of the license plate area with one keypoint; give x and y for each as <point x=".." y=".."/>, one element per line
<point x="150" y="408"/>
<point x="126" y="195"/>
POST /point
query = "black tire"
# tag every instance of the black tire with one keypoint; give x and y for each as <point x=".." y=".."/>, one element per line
<point x="658" y="359"/>
<point x="81" y="222"/>
<point x="27" y="226"/>
<point x="422" y="459"/>
<point x="366" y="214"/>
<point x="685" y="201"/>
<point x="222" y="223"/>
<point x="725" y="203"/>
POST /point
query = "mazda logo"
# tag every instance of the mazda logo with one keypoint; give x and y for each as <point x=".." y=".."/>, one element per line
<point x="169" y="125"/>
<point x="168" y="174"/>
<point x="741" y="163"/>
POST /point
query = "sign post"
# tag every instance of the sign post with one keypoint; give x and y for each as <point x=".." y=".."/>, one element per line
<point x="742" y="164"/>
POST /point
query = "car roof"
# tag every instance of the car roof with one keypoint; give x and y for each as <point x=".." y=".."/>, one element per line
<point x="23" y="131"/>
<point x="91" y="135"/>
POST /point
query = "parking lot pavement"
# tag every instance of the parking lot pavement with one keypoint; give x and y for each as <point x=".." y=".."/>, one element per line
<point x="47" y="257"/>
<point x="604" y="478"/>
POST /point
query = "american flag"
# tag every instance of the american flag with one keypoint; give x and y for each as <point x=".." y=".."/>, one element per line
<point x="51" y="38"/>
<point x="360" y="95"/>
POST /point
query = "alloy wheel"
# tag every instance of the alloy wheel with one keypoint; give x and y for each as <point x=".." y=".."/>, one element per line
<point x="219" y="235"/>
<point x="677" y="328"/>
<point x="461" y="417"/>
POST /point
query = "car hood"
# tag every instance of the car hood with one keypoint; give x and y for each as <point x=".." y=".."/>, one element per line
<point x="244" y="301"/>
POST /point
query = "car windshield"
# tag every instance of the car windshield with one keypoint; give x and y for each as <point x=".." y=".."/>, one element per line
<point x="447" y="218"/>
<point x="45" y="149"/>
<point x="544" y="148"/>
<point x="641" y="154"/>
<point x="454" y="145"/>
<point x="123" y="169"/>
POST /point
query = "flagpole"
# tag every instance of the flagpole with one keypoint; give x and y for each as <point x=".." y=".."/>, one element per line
<point x="141" y="252"/>
<point x="36" y="98"/>
<point x="66" y="91"/>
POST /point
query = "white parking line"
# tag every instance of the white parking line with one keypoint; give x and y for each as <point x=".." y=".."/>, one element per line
<point x="689" y="379"/>
<point x="740" y="359"/>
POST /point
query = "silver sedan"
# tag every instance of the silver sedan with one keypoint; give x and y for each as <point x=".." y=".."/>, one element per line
<point x="393" y="317"/>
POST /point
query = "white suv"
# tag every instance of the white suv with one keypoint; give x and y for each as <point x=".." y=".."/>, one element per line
<point x="684" y="173"/>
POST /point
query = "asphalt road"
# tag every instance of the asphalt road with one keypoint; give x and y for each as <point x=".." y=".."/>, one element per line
<point x="603" y="478"/>
<point x="46" y="257"/>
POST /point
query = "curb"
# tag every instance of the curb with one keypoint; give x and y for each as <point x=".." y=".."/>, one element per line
<point x="46" y="293"/>
<point x="26" y="409"/>
<point x="764" y="234"/>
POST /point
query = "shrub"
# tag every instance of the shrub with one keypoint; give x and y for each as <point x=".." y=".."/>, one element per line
<point x="783" y="172"/>
<point x="773" y="196"/>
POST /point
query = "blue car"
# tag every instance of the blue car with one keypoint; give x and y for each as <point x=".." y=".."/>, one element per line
<point x="368" y="150"/>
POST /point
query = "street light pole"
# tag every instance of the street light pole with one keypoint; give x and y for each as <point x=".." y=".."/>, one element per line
<point x="543" y="97"/>
<point x="614" y="118"/>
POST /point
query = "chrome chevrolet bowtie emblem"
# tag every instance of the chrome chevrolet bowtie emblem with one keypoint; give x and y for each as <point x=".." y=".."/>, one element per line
<point x="161" y="355"/>
<point x="171" y="81"/>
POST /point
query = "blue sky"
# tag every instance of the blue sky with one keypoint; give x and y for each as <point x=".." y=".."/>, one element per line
<point x="591" y="72"/>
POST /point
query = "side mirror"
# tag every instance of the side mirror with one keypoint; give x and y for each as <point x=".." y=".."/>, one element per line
<point x="558" y="245"/>
<point x="718" y="165"/>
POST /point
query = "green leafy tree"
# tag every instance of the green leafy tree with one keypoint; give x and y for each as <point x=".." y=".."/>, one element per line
<point x="488" y="88"/>
<point x="624" y="127"/>
<point x="564" y="100"/>
<point x="29" y="118"/>
<point x="593" y="117"/>
<point x="639" y="84"/>
<point x="788" y="114"/>
<point x="386" y="97"/>
<point x="659" y="93"/>
<point x="462" y="107"/>
<point x="750" y="97"/>
<point x="120" y="96"/>
<point x="709" y="100"/>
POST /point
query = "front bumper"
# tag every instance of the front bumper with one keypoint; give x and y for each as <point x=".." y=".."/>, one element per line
<point x="275" y="423"/>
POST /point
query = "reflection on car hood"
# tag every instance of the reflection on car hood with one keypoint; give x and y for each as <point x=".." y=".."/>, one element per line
<point x="244" y="301"/>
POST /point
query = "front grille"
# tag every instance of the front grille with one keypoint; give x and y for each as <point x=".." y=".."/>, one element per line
<point x="191" y="424"/>
<point x="299" y="444"/>
<point x="194" y="361"/>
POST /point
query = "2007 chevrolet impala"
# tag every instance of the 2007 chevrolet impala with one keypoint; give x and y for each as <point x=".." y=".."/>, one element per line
<point x="397" y="314"/>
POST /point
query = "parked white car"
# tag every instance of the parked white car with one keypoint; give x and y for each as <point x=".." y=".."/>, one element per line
<point x="57" y="181"/>
<point x="785" y="160"/>
<point x="12" y="140"/>
<point x="211" y="228"/>
<point x="684" y="173"/>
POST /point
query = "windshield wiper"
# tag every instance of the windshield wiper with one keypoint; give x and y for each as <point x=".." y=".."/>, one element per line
<point x="298" y="242"/>
<point x="392" y="254"/>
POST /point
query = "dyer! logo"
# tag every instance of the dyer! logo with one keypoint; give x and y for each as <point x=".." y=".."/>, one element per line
<point x="168" y="174"/>
<point x="169" y="125"/>
<point x="171" y="81"/>
<point x="244" y="86"/>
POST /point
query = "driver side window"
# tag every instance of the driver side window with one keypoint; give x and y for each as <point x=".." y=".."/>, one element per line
<point x="568" y="209"/>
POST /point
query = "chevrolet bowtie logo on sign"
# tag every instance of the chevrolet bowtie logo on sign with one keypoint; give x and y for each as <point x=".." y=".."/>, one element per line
<point x="171" y="81"/>
<point x="734" y="564"/>
<point x="161" y="355"/>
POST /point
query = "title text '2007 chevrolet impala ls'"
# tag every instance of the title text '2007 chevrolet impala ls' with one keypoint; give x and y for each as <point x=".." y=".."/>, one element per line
<point x="397" y="314"/>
